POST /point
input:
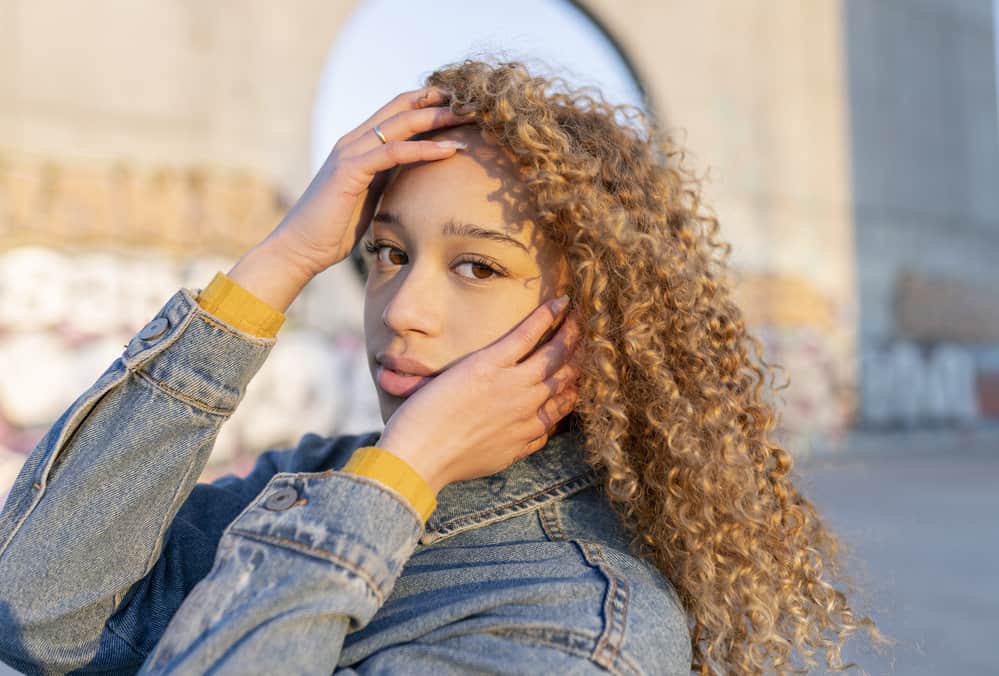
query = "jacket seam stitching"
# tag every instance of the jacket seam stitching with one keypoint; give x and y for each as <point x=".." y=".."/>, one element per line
<point x="550" y="525"/>
<point x="322" y="554"/>
<point x="519" y="506"/>
<point x="176" y="394"/>
<point x="616" y="589"/>
<point x="204" y="316"/>
<point x="41" y="472"/>
<point x="136" y="361"/>
<point x="362" y="479"/>
<point x="615" y="604"/>
<point x="536" y="633"/>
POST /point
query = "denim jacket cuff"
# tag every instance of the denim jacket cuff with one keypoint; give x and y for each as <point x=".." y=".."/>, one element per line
<point x="313" y="557"/>
<point x="172" y="349"/>
<point x="316" y="514"/>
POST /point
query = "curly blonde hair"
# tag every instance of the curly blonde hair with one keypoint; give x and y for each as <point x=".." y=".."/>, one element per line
<point x="671" y="401"/>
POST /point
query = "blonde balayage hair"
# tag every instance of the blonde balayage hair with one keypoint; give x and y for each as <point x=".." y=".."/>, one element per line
<point x="671" y="400"/>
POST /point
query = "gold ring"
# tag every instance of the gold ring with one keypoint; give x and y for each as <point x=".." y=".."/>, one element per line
<point x="379" y="134"/>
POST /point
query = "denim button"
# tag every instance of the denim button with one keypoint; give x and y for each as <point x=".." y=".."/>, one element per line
<point x="154" y="329"/>
<point x="282" y="498"/>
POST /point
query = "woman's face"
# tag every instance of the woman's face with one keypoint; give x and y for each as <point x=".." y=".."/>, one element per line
<point x="459" y="263"/>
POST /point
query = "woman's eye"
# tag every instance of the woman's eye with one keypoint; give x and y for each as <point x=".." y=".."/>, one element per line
<point x="390" y="255"/>
<point x="387" y="254"/>
<point x="478" y="270"/>
<point x="379" y="249"/>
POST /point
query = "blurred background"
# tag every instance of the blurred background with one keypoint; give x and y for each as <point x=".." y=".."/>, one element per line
<point x="851" y="153"/>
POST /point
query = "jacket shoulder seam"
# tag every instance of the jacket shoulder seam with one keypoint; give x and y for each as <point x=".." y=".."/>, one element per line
<point x="520" y="507"/>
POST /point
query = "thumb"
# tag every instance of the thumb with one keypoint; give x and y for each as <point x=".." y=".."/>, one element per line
<point x="526" y="335"/>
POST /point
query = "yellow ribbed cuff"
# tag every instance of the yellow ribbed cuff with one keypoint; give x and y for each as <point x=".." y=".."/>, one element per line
<point x="391" y="470"/>
<point x="230" y="302"/>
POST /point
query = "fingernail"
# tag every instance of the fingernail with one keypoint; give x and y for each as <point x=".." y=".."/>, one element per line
<point x="465" y="109"/>
<point x="461" y="145"/>
<point x="559" y="303"/>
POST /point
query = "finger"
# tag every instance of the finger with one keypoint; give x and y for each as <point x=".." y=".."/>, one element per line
<point x="388" y="155"/>
<point x="375" y="177"/>
<point x="364" y="209"/>
<point x="366" y="175"/>
<point x="407" y="124"/>
<point x="534" y="445"/>
<point x="551" y="356"/>
<point x="411" y="100"/>
<point x="525" y="336"/>
<point x="557" y="407"/>
<point x="557" y="382"/>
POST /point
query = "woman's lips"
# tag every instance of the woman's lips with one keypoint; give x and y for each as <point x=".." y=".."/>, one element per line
<point x="397" y="384"/>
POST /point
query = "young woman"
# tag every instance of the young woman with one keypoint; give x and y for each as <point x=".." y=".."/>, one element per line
<point x="652" y="530"/>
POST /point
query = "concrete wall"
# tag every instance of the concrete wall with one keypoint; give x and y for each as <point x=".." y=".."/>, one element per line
<point x="225" y="84"/>
<point x="757" y="92"/>
<point x="179" y="95"/>
<point x="844" y="144"/>
<point x="925" y="167"/>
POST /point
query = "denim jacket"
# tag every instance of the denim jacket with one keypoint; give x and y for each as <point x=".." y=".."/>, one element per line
<point x="114" y="559"/>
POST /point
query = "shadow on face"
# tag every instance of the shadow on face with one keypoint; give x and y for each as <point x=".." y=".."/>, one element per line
<point x="457" y="260"/>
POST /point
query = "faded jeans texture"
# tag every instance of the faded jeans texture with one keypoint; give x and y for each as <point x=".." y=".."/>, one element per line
<point x="113" y="558"/>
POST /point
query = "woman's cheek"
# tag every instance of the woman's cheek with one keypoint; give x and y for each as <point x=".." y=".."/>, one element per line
<point x="485" y="322"/>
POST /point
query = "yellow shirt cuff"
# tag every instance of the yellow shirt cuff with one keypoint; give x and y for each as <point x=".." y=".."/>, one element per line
<point x="230" y="302"/>
<point x="391" y="470"/>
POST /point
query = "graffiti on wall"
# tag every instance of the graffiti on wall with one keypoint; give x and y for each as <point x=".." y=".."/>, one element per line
<point x="89" y="255"/>
<point x="808" y="338"/>
<point x="65" y="317"/>
<point x="904" y="384"/>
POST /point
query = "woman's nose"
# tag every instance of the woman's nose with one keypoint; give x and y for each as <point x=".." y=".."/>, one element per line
<point x="413" y="305"/>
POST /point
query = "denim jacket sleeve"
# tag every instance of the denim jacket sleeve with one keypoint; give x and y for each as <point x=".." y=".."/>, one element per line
<point x="87" y="515"/>
<point x="297" y="570"/>
<point x="88" y="532"/>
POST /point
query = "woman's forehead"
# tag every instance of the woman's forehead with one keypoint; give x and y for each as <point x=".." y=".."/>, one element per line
<point x="494" y="158"/>
<point x="477" y="184"/>
<point x="478" y="187"/>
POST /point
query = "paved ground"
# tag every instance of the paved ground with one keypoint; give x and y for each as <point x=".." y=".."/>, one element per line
<point x="921" y="512"/>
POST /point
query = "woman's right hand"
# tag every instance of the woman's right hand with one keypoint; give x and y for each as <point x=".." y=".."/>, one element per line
<point x="333" y="213"/>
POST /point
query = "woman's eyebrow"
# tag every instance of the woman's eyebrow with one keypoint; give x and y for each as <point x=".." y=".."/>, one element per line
<point x="452" y="228"/>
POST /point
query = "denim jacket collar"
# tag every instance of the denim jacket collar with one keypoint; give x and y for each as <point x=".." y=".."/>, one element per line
<point x="550" y="473"/>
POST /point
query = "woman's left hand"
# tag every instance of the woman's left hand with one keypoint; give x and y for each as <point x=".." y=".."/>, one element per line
<point x="488" y="411"/>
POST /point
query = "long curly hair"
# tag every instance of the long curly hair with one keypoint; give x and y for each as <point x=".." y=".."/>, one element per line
<point x="673" y="397"/>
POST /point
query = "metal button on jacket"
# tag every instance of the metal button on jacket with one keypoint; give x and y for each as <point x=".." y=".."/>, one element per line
<point x="154" y="329"/>
<point x="282" y="498"/>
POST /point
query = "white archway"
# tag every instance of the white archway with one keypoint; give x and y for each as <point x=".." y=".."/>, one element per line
<point x="388" y="46"/>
